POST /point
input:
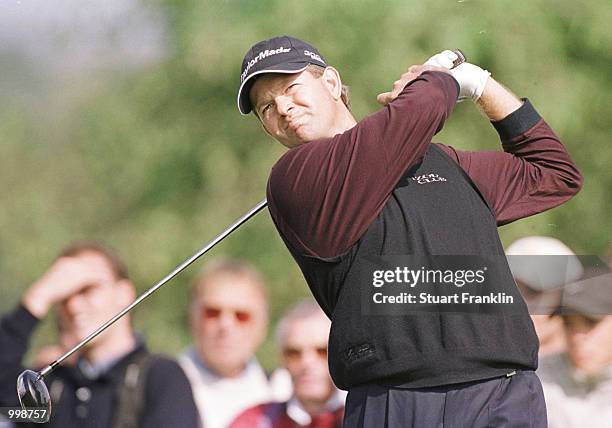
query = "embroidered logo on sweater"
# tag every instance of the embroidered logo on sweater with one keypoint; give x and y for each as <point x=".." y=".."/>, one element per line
<point x="428" y="178"/>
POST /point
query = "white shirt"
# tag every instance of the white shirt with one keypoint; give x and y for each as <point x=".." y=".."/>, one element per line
<point x="572" y="400"/>
<point x="220" y="399"/>
<point x="299" y="415"/>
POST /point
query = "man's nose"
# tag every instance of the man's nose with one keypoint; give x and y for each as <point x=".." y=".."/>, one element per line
<point x="284" y="105"/>
<point x="75" y="304"/>
<point x="310" y="358"/>
<point x="226" y="320"/>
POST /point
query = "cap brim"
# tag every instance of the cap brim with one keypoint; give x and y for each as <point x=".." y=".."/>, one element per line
<point x="244" y="103"/>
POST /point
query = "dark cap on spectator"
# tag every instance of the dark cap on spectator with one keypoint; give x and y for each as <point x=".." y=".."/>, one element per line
<point x="284" y="54"/>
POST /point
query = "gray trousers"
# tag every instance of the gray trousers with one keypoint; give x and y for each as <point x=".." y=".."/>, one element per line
<point x="514" y="401"/>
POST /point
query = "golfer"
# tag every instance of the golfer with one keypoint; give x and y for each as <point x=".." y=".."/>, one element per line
<point x="347" y="192"/>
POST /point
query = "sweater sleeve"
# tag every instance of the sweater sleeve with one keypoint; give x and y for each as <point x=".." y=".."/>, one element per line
<point x="16" y="328"/>
<point x="324" y="194"/>
<point x="534" y="172"/>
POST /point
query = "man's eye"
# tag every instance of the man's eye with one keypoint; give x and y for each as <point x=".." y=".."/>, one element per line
<point x="266" y="108"/>
<point x="88" y="289"/>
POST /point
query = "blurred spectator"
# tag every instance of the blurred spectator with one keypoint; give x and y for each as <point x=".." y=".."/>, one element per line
<point x="116" y="381"/>
<point x="302" y="336"/>
<point x="578" y="387"/>
<point x="229" y="320"/>
<point x="541" y="267"/>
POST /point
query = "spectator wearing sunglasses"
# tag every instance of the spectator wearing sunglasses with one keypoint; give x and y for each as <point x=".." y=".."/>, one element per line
<point x="228" y="321"/>
<point x="302" y="336"/>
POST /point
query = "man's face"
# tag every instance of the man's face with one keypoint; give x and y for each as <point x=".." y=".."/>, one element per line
<point x="95" y="302"/>
<point x="229" y="323"/>
<point x="294" y="108"/>
<point x="305" y="357"/>
<point x="548" y="327"/>
<point x="589" y="342"/>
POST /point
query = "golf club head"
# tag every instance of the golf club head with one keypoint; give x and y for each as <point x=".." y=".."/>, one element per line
<point x="33" y="393"/>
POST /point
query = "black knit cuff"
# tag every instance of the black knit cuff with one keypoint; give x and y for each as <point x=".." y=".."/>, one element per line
<point x="518" y="122"/>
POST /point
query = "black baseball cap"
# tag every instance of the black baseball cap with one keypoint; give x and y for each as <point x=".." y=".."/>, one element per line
<point x="283" y="54"/>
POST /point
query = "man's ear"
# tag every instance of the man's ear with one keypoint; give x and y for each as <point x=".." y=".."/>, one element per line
<point x="194" y="317"/>
<point x="128" y="291"/>
<point x="333" y="83"/>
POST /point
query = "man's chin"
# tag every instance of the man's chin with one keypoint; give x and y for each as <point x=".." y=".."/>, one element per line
<point x="585" y="366"/>
<point x="313" y="393"/>
<point x="88" y="345"/>
<point x="300" y="136"/>
<point x="82" y="334"/>
<point x="295" y="142"/>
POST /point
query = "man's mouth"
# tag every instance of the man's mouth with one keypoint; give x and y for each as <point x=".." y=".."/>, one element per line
<point x="295" y="123"/>
<point x="80" y="321"/>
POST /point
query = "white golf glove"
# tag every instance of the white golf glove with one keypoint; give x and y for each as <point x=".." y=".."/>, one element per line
<point x="471" y="78"/>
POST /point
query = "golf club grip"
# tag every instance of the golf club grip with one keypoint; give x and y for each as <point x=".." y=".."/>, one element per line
<point x="461" y="58"/>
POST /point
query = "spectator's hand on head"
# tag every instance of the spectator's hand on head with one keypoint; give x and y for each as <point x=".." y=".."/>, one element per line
<point x="67" y="276"/>
<point x="413" y="72"/>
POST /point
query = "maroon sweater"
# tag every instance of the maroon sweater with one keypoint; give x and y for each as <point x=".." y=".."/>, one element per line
<point x="323" y="195"/>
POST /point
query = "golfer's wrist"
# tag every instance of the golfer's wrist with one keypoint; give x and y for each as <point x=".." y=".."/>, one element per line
<point x="498" y="102"/>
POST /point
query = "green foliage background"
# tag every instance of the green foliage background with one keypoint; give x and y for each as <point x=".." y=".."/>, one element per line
<point x="158" y="161"/>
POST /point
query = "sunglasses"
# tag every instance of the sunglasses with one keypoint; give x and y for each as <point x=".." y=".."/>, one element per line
<point x="295" y="354"/>
<point x="214" y="313"/>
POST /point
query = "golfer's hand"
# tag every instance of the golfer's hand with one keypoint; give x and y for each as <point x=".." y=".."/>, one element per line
<point x="67" y="276"/>
<point x="413" y="72"/>
<point x="471" y="78"/>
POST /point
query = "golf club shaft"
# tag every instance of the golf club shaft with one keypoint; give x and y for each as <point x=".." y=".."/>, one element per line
<point x="48" y="369"/>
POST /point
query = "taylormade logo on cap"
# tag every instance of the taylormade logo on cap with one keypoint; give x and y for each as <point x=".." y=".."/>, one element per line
<point x="263" y="55"/>
<point x="283" y="54"/>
